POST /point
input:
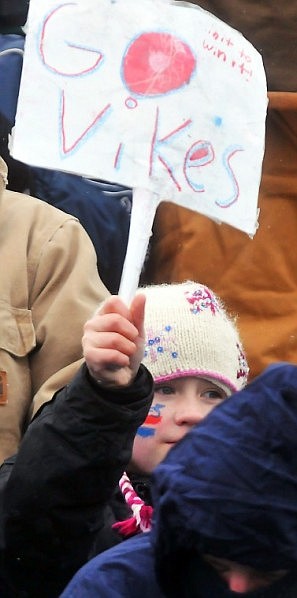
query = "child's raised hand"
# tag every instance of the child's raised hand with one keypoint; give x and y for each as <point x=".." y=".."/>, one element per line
<point x="113" y="341"/>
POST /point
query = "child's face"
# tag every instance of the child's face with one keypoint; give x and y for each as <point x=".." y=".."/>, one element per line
<point x="177" y="406"/>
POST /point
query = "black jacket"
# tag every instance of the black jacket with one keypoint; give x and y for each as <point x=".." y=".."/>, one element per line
<point x="59" y="497"/>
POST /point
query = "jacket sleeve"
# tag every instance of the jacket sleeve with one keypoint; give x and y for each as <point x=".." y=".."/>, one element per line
<point x="127" y="569"/>
<point x="67" y="468"/>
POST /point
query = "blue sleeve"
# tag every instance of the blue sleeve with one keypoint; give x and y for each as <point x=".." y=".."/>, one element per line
<point x="126" y="570"/>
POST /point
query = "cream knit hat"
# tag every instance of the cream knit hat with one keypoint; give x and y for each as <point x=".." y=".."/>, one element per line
<point x="188" y="333"/>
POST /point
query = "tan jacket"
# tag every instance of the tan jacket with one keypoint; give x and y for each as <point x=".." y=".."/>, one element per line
<point x="49" y="286"/>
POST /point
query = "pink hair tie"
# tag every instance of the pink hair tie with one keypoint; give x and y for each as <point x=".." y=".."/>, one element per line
<point x="142" y="513"/>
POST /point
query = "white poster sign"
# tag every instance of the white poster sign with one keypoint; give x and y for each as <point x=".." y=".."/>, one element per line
<point x="156" y="95"/>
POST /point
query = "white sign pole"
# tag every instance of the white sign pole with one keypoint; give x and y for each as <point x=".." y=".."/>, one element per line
<point x="144" y="207"/>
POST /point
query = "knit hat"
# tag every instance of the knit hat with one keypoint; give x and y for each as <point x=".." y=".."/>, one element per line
<point x="188" y="333"/>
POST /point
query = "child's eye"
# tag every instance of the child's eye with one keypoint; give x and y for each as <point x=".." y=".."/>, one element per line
<point x="214" y="395"/>
<point x="164" y="390"/>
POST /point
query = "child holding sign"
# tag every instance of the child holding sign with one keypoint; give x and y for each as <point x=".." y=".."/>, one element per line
<point x="194" y="353"/>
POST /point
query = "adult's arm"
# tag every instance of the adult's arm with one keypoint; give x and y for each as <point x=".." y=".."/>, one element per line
<point x="52" y="289"/>
<point x="68" y="465"/>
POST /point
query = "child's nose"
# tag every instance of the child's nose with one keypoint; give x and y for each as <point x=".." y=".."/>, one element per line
<point x="189" y="412"/>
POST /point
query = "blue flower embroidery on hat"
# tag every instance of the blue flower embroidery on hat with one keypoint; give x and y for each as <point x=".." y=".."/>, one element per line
<point x="156" y="345"/>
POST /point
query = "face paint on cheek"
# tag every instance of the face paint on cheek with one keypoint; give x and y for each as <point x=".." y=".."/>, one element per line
<point x="153" y="418"/>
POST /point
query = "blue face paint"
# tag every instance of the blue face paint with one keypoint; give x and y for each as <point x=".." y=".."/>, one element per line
<point x="145" y="432"/>
<point x="155" y="410"/>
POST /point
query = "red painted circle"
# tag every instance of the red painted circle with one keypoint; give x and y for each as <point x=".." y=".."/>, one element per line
<point x="157" y="63"/>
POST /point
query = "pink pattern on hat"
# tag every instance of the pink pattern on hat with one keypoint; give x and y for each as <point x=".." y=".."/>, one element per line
<point x="201" y="299"/>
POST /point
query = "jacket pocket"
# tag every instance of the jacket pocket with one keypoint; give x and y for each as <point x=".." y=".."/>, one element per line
<point x="17" y="334"/>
